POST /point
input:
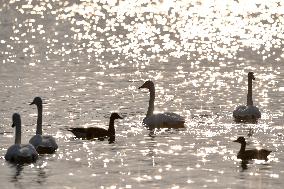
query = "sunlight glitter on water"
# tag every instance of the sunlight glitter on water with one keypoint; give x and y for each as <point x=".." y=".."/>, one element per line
<point x="89" y="57"/>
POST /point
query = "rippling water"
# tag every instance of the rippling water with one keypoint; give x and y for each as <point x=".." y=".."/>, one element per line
<point x="87" y="59"/>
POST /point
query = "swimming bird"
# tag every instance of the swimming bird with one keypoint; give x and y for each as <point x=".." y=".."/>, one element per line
<point x="248" y="113"/>
<point x="44" y="144"/>
<point x="161" y="120"/>
<point x="250" y="154"/>
<point x="20" y="153"/>
<point x="96" y="132"/>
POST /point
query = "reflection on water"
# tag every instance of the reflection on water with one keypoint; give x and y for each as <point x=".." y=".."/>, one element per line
<point x="87" y="58"/>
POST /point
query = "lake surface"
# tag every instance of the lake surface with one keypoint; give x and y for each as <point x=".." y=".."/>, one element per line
<point x="87" y="59"/>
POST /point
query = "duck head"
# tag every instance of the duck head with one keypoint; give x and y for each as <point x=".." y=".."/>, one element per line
<point x="16" y="118"/>
<point x="147" y="85"/>
<point x="115" y="116"/>
<point x="240" y="140"/>
<point x="37" y="101"/>
<point x="251" y="76"/>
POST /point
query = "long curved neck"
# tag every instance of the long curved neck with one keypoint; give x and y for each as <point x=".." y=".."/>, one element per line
<point x="249" y="95"/>
<point x="39" y="120"/>
<point x="18" y="134"/>
<point x="151" y="102"/>
<point x="243" y="147"/>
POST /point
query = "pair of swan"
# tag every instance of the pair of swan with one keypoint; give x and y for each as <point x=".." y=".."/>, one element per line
<point x="248" y="113"/>
<point x="38" y="144"/>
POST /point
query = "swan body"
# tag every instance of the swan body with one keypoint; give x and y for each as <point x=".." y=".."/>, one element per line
<point x="248" y="113"/>
<point x="244" y="154"/>
<point x="44" y="144"/>
<point x="20" y="153"/>
<point x="96" y="132"/>
<point x="161" y="120"/>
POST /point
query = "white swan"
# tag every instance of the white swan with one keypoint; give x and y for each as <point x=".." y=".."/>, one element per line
<point x="161" y="120"/>
<point x="248" y="113"/>
<point x="43" y="144"/>
<point x="20" y="153"/>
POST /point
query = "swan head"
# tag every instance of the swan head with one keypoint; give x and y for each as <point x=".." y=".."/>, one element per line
<point x="16" y="118"/>
<point x="115" y="116"/>
<point x="147" y="85"/>
<point x="37" y="101"/>
<point x="240" y="140"/>
<point x="251" y="76"/>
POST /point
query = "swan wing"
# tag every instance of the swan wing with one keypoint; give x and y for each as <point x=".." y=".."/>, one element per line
<point x="246" y="112"/>
<point x="24" y="153"/>
<point x="164" y="120"/>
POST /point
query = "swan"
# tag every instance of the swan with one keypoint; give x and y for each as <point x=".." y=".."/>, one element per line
<point x="248" y="113"/>
<point x="96" y="132"/>
<point x="161" y="120"/>
<point x="250" y="154"/>
<point x="20" y="153"/>
<point x="44" y="144"/>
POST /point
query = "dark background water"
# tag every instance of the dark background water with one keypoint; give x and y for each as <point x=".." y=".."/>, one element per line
<point x="87" y="59"/>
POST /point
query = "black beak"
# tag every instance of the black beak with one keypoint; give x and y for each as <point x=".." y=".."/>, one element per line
<point x="13" y="125"/>
<point x="120" y="117"/>
<point x="235" y="140"/>
<point x="32" y="103"/>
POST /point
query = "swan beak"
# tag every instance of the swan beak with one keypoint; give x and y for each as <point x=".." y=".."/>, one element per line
<point x="13" y="125"/>
<point x="32" y="103"/>
<point x="235" y="141"/>
<point x="120" y="117"/>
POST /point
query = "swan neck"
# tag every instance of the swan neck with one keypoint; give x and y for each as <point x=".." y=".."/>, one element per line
<point x="39" y="120"/>
<point x="18" y="134"/>
<point x="249" y="95"/>
<point x="151" y="102"/>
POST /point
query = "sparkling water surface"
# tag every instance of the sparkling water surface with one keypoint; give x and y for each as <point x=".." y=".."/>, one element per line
<point x="87" y="58"/>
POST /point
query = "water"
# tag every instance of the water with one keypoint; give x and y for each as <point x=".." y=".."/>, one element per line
<point x="87" y="59"/>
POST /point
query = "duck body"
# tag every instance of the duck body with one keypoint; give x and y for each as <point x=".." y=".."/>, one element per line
<point x="97" y="132"/>
<point x="44" y="144"/>
<point x="248" y="113"/>
<point x="89" y="133"/>
<point x="244" y="154"/>
<point x="160" y="120"/>
<point x="20" y="153"/>
<point x="254" y="154"/>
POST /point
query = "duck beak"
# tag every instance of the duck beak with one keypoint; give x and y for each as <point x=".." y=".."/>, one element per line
<point x="142" y="86"/>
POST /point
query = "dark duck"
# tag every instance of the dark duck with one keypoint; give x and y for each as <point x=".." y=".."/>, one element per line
<point x="251" y="154"/>
<point x="96" y="132"/>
